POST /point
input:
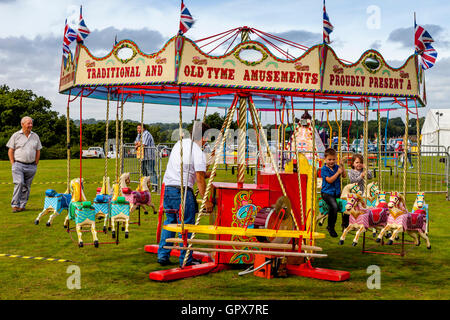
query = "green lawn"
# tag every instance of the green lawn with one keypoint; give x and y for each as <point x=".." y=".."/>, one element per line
<point x="121" y="272"/>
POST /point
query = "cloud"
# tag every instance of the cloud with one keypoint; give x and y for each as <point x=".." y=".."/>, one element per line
<point x="147" y="40"/>
<point x="405" y="36"/>
<point x="376" y="45"/>
<point x="35" y="63"/>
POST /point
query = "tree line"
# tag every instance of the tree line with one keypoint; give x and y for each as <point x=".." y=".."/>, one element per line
<point x="51" y="126"/>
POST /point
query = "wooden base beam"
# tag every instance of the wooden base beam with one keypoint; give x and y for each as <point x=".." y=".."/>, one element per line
<point x="245" y="244"/>
<point x="274" y="253"/>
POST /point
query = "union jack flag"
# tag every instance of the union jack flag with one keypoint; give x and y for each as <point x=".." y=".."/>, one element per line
<point x="69" y="36"/>
<point x="429" y="56"/>
<point x="327" y="26"/>
<point x="186" y="20"/>
<point x="83" y="30"/>
<point x="421" y="38"/>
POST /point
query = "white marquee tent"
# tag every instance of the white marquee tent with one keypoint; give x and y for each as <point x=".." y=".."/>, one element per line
<point x="436" y="128"/>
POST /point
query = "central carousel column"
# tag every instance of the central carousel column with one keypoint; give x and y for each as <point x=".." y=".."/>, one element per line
<point x="242" y="120"/>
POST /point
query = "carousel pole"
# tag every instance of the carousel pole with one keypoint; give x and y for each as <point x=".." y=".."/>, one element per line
<point x="242" y="120"/>
<point x="68" y="142"/>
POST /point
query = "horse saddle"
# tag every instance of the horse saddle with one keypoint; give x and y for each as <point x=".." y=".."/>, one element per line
<point x="377" y="215"/>
<point x="102" y="198"/>
<point x="126" y="190"/>
<point x="415" y="220"/>
<point x="51" y="193"/>
<point x="141" y="196"/>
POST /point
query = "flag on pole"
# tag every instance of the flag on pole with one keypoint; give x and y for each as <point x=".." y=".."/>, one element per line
<point x="422" y="43"/>
<point x="327" y="26"/>
<point x="421" y="38"/>
<point x="429" y="56"/>
<point x="186" y="20"/>
<point x="83" y="30"/>
<point x="69" y="36"/>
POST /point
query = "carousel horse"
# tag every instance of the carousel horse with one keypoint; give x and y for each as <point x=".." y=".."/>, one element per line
<point x="419" y="204"/>
<point x="102" y="202"/>
<point x="341" y="202"/>
<point x="54" y="204"/>
<point x="142" y="197"/>
<point x="120" y="206"/>
<point x="401" y="220"/>
<point x="362" y="218"/>
<point x="81" y="211"/>
<point x="359" y="221"/>
<point x="371" y="194"/>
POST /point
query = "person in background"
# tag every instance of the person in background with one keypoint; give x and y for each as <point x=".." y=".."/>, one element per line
<point x="147" y="151"/>
<point x="335" y="141"/>
<point x="331" y="187"/>
<point x="324" y="137"/>
<point x="24" y="153"/>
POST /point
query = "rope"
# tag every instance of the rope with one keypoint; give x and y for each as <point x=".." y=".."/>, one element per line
<point x="181" y="164"/>
<point x="379" y="146"/>
<point x="405" y="150"/>
<point x="366" y="148"/>
<point x="298" y="164"/>
<point x="241" y="140"/>
<point x="141" y="148"/>
<point x="340" y="137"/>
<point x="314" y="182"/>
<point x="121" y="137"/>
<point x="225" y="130"/>
<point x="107" y="134"/>
<point x="117" y="141"/>
<point x="419" y="144"/>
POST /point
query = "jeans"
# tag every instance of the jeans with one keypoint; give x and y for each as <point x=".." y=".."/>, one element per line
<point x="330" y="200"/>
<point x="23" y="175"/>
<point x="148" y="170"/>
<point x="172" y="201"/>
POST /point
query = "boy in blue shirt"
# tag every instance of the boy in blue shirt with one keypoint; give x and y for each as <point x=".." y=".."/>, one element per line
<point x="331" y="187"/>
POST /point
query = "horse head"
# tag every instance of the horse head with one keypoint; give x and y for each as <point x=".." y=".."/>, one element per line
<point x="420" y="200"/>
<point x="76" y="189"/>
<point x="144" y="184"/>
<point x="350" y="188"/>
<point x="382" y="197"/>
<point x="125" y="180"/>
<point x="396" y="204"/>
<point x="373" y="189"/>
<point x="354" y="204"/>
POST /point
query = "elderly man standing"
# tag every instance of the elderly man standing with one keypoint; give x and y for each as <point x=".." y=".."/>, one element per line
<point x="24" y="153"/>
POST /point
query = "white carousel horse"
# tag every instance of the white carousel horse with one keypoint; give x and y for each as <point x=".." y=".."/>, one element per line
<point x="362" y="218"/>
<point x="341" y="202"/>
<point x="401" y="220"/>
<point x="81" y="211"/>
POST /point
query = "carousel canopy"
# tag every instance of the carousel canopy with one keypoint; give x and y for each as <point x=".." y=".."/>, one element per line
<point x="182" y="71"/>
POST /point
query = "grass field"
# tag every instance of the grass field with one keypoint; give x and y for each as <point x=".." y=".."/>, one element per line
<point x="121" y="272"/>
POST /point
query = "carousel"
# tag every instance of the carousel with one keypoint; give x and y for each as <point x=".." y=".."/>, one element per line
<point x="269" y="224"/>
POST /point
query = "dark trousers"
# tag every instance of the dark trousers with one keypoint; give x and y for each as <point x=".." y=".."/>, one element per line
<point x="330" y="200"/>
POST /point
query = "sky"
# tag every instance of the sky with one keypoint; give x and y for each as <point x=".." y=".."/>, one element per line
<point x="31" y="35"/>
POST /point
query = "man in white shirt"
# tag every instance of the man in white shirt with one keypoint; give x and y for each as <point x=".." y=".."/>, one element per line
<point x="24" y="153"/>
<point x="194" y="171"/>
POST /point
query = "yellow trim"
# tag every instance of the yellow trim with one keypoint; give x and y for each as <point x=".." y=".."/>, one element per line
<point x="210" y="229"/>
